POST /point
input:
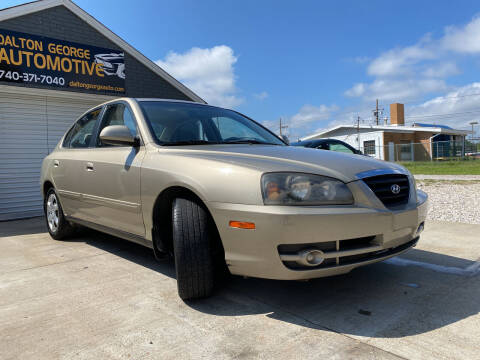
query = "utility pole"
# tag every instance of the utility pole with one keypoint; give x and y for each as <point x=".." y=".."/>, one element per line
<point x="358" y="132"/>
<point x="282" y="127"/>
<point x="376" y="113"/>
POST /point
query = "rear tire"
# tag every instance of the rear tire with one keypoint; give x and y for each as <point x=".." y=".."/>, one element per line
<point x="58" y="227"/>
<point x="193" y="247"/>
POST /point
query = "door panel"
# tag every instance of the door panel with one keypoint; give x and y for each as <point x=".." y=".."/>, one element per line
<point x="67" y="168"/>
<point x="111" y="178"/>
<point x="111" y="188"/>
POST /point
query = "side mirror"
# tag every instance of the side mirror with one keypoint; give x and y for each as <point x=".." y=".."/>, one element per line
<point x="118" y="135"/>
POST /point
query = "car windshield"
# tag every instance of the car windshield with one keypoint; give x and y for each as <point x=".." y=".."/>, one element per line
<point x="173" y="123"/>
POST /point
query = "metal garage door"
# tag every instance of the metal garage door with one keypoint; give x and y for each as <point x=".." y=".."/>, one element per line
<point x="30" y="127"/>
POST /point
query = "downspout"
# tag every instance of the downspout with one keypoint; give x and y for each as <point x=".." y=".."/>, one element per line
<point x="431" y="146"/>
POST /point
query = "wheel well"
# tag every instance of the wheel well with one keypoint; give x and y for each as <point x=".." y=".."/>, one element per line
<point x="46" y="186"/>
<point x="162" y="217"/>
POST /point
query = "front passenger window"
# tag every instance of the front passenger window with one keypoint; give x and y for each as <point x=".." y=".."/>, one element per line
<point x="118" y="114"/>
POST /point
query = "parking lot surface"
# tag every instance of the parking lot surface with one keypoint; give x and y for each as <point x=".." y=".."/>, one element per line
<point x="99" y="297"/>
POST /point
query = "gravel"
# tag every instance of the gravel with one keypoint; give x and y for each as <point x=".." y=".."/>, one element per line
<point x="447" y="177"/>
<point x="453" y="201"/>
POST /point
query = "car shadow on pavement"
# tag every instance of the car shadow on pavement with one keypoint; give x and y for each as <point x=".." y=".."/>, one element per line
<point x="380" y="300"/>
<point x="387" y="300"/>
<point x="392" y="299"/>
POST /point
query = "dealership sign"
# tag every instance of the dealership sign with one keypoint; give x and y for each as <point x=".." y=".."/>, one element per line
<point x="35" y="60"/>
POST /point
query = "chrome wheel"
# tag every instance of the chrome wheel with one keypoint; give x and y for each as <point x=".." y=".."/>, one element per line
<point x="52" y="213"/>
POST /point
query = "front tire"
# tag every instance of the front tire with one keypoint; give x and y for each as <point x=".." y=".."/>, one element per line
<point x="193" y="246"/>
<point x="58" y="227"/>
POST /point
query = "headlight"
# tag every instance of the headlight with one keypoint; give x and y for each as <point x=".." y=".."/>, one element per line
<point x="304" y="189"/>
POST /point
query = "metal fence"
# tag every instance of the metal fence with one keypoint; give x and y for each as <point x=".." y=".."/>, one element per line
<point x="424" y="151"/>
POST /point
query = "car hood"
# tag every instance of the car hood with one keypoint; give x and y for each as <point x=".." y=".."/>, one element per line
<point x="346" y="167"/>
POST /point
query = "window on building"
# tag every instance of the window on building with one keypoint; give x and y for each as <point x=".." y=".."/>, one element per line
<point x="369" y="147"/>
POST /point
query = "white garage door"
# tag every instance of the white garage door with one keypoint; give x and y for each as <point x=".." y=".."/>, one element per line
<point x="30" y="127"/>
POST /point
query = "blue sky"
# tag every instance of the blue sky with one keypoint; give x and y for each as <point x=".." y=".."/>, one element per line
<point x="313" y="63"/>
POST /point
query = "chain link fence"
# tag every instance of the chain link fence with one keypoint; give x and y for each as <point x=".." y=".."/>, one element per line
<point x="424" y="151"/>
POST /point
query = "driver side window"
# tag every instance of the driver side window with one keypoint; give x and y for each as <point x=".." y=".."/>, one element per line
<point x="118" y="114"/>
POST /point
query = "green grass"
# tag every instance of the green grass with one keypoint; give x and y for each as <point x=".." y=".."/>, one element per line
<point x="447" y="182"/>
<point x="447" y="167"/>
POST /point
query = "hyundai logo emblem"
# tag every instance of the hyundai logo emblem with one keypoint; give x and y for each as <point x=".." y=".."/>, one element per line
<point x="395" y="189"/>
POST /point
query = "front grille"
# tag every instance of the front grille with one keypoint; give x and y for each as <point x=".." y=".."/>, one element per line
<point x="381" y="185"/>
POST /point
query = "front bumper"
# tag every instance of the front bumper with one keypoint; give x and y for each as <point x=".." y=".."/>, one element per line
<point x="257" y="253"/>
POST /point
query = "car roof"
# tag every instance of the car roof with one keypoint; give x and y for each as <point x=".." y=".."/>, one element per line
<point x="180" y="102"/>
<point x="138" y="100"/>
<point x="171" y="100"/>
<point x="166" y="100"/>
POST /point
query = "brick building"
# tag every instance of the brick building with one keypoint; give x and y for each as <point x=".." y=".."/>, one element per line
<point x="397" y="142"/>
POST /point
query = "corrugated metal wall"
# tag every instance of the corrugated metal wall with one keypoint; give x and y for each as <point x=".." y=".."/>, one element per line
<point x="30" y="127"/>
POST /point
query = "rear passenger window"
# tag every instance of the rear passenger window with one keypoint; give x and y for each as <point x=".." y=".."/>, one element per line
<point x="80" y="134"/>
<point x="118" y="114"/>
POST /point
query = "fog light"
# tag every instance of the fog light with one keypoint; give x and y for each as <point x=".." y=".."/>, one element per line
<point x="311" y="257"/>
<point x="421" y="227"/>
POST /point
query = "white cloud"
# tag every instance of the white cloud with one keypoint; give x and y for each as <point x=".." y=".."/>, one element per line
<point x="309" y="114"/>
<point x="358" y="89"/>
<point x="209" y="73"/>
<point x="261" y="96"/>
<point x="411" y="72"/>
<point x="273" y="125"/>
<point x="463" y="39"/>
<point x="456" y="108"/>
<point x="441" y="70"/>
<point x="394" y="89"/>
<point x="399" y="60"/>
<point x="307" y="118"/>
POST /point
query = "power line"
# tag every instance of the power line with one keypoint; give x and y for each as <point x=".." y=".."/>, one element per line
<point x="446" y="114"/>
<point x="443" y="97"/>
<point x="474" y="111"/>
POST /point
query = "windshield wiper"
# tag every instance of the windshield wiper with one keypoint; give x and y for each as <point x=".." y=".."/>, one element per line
<point x="190" y="142"/>
<point x="248" y="141"/>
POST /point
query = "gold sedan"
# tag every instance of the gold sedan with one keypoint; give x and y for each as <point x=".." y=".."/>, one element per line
<point x="222" y="194"/>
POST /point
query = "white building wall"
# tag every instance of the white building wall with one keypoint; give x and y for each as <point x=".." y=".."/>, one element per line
<point x="351" y="137"/>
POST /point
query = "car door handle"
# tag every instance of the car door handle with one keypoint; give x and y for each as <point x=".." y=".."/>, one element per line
<point x="89" y="166"/>
<point x="56" y="163"/>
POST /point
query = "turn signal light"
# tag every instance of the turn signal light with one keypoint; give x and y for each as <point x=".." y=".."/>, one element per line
<point x="242" y="225"/>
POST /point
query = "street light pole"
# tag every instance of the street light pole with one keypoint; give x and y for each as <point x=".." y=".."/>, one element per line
<point x="473" y="123"/>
